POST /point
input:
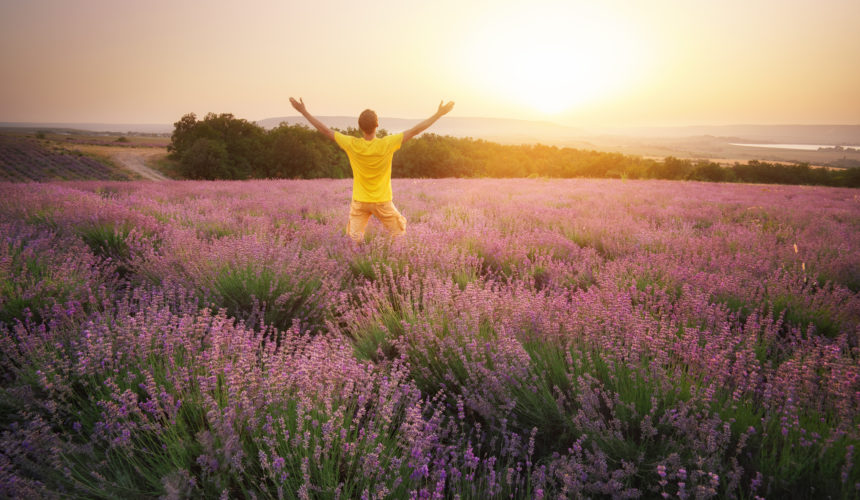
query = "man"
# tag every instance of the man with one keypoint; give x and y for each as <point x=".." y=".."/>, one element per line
<point x="370" y="159"/>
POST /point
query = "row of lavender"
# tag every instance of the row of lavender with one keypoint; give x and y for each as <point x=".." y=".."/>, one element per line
<point x="526" y="339"/>
<point x="23" y="159"/>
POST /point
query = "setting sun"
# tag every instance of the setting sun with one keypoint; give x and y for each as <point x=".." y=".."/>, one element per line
<point x="552" y="60"/>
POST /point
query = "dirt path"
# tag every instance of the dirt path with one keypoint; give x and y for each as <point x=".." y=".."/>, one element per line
<point x="135" y="159"/>
<point x="131" y="158"/>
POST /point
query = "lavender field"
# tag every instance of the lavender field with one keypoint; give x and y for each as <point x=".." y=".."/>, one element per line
<point x="527" y="338"/>
<point x="23" y="159"/>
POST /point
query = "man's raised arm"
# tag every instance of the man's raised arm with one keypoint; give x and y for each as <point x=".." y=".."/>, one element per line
<point x="421" y="127"/>
<point x="300" y="107"/>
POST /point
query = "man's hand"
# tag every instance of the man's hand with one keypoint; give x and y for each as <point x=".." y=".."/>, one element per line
<point x="444" y="109"/>
<point x="300" y="105"/>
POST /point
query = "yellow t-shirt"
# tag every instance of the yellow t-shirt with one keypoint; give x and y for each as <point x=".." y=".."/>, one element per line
<point x="371" y="165"/>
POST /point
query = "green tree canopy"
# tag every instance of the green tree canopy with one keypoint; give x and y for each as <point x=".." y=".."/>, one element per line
<point x="221" y="146"/>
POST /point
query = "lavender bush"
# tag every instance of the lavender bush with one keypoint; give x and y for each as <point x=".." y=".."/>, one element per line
<point x="525" y="339"/>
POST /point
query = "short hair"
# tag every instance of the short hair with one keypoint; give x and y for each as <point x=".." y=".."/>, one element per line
<point x="368" y="121"/>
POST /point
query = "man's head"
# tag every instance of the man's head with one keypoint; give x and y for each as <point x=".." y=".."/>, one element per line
<point x="368" y="121"/>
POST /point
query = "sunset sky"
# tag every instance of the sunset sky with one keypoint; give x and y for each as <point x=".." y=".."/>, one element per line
<point x="589" y="64"/>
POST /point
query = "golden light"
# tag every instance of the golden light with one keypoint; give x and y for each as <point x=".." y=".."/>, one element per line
<point x="553" y="58"/>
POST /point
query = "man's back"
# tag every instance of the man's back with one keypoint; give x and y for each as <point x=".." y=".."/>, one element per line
<point x="371" y="165"/>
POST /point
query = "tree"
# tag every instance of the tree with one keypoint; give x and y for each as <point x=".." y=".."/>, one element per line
<point x="182" y="137"/>
<point x="672" y="168"/>
<point x="206" y="159"/>
<point x="293" y="153"/>
<point x="710" y="171"/>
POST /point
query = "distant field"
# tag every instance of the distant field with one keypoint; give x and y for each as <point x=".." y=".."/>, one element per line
<point x="26" y="158"/>
<point x="526" y="338"/>
<point x="88" y="137"/>
<point x="109" y="139"/>
<point x="40" y="156"/>
<point x="728" y="162"/>
<point x="720" y="150"/>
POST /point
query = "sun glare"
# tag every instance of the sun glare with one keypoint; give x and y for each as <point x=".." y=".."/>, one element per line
<point x="553" y="59"/>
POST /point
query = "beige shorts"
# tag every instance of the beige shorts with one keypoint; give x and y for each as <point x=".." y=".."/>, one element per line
<point x="386" y="212"/>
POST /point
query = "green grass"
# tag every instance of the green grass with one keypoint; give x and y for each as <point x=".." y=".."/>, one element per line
<point x="589" y="238"/>
<point x="169" y="168"/>
<point x="43" y="217"/>
<point x="849" y="278"/>
<point x="364" y="266"/>
<point x="107" y="239"/>
<point x="30" y="282"/>
<point x="537" y="402"/>
<point x="792" y="463"/>
<point x="735" y="304"/>
<point x="651" y="279"/>
<point x="792" y="310"/>
<point x="801" y="315"/>
<point x="377" y="262"/>
<point x="443" y="366"/>
<point x="251" y="293"/>
<point x="462" y="277"/>
<point x="554" y="369"/>
<point x="212" y="230"/>
<point x="375" y="341"/>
